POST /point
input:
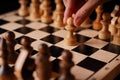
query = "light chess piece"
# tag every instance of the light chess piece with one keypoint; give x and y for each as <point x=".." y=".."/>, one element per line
<point x="104" y="32"/>
<point x="116" y="37"/>
<point x="70" y="39"/>
<point x="23" y="11"/>
<point x="34" y="10"/>
<point x="97" y="24"/>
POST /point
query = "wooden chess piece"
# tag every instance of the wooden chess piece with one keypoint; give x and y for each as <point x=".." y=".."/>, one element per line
<point x="24" y="65"/>
<point x="97" y="24"/>
<point x="58" y="22"/>
<point x="116" y="37"/>
<point x="70" y="39"/>
<point x="45" y="4"/>
<point x="112" y="26"/>
<point x="115" y="11"/>
<point x="104" y="32"/>
<point x="6" y="73"/>
<point x="65" y="65"/>
<point x="26" y="44"/>
<point x="23" y="11"/>
<point x="46" y="17"/>
<point x="59" y="8"/>
<point x="114" y="15"/>
<point x="10" y="40"/>
<point x="34" y="10"/>
<point x="43" y="66"/>
<point x="87" y="23"/>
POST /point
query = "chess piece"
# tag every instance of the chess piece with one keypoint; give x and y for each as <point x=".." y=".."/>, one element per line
<point x="115" y="11"/>
<point x="58" y="22"/>
<point x="10" y="40"/>
<point x="59" y="8"/>
<point x="104" y="32"/>
<point x="97" y="24"/>
<point x="23" y="11"/>
<point x="70" y="39"/>
<point x="65" y="65"/>
<point x="116" y="37"/>
<point x="45" y="4"/>
<point x="46" y="17"/>
<point x="112" y="26"/>
<point x="87" y="23"/>
<point x="114" y="16"/>
<point x="24" y="65"/>
<point x="6" y="73"/>
<point x="26" y="44"/>
<point x="43" y="67"/>
<point x="34" y="10"/>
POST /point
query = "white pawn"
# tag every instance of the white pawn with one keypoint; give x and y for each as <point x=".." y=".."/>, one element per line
<point x="34" y="10"/>
<point x="104" y="32"/>
<point x="46" y="17"/>
<point x="45" y="4"/>
<point x="114" y="15"/>
<point x="58" y="22"/>
<point x="116" y="38"/>
<point x="112" y="26"/>
<point x="23" y="10"/>
<point x="115" y="11"/>
<point x="97" y="24"/>
<point x="59" y="8"/>
<point x="70" y="39"/>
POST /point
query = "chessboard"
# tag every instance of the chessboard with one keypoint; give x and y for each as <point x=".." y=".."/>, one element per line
<point x="94" y="59"/>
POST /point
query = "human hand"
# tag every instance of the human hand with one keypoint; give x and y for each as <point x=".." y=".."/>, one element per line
<point x="81" y="9"/>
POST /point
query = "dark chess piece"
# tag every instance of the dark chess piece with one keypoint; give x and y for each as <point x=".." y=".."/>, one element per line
<point x="6" y="72"/>
<point x="43" y="66"/>
<point x="10" y="40"/>
<point x="28" y="66"/>
<point x="66" y="64"/>
<point x="26" y="44"/>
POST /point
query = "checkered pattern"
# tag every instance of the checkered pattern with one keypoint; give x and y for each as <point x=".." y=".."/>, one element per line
<point x="91" y="57"/>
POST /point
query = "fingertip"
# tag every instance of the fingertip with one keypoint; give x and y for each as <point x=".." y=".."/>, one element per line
<point x="64" y="20"/>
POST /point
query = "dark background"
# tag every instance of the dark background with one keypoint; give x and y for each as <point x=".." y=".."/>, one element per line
<point x="8" y="5"/>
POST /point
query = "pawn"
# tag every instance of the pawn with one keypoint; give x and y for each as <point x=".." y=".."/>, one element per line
<point x="28" y="65"/>
<point x="46" y="17"/>
<point x="97" y="24"/>
<point x="115" y="11"/>
<point x="23" y="11"/>
<point x="104" y="32"/>
<point x="116" y="37"/>
<point x="34" y="10"/>
<point x="112" y="26"/>
<point x="114" y="16"/>
<point x="70" y="39"/>
<point x="65" y="65"/>
<point x="87" y="23"/>
<point x="58" y="22"/>
<point x="43" y="66"/>
<point x="10" y="40"/>
<point x="26" y="45"/>
<point x="6" y="73"/>
<point x="59" y="8"/>
<point x="45" y="4"/>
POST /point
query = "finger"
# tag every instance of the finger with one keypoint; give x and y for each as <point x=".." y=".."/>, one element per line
<point x="71" y="8"/>
<point x="84" y="11"/>
<point x="65" y="2"/>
